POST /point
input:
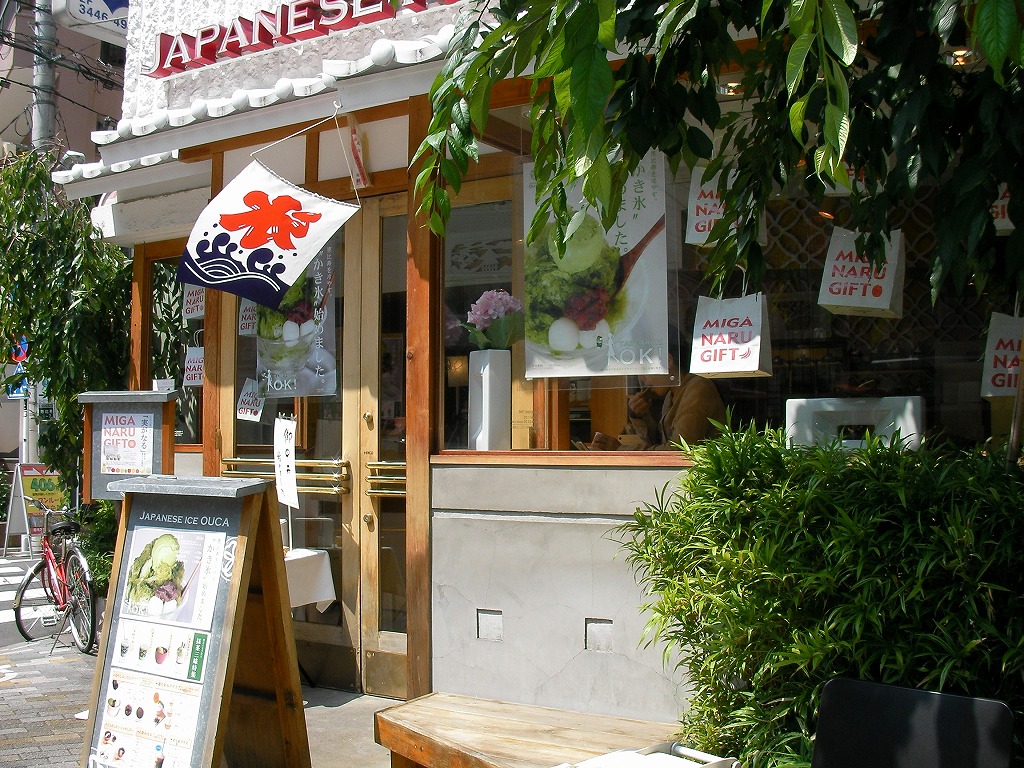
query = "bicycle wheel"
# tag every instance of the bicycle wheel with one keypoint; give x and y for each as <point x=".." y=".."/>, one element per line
<point x="35" y="614"/>
<point x="81" y="602"/>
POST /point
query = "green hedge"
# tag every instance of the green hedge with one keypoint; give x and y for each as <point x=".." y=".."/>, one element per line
<point x="772" y="569"/>
<point x="97" y="540"/>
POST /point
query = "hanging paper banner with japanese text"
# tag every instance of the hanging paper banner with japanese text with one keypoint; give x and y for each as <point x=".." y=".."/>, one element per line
<point x="195" y="364"/>
<point x="247" y="317"/>
<point x="258" y="235"/>
<point x="704" y="207"/>
<point x="284" y="462"/>
<point x="1001" y="365"/>
<point x="601" y="309"/>
<point x="250" y="405"/>
<point x="295" y="343"/>
<point x="852" y="285"/>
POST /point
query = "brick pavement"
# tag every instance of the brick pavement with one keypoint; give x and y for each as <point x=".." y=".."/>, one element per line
<point x="40" y="694"/>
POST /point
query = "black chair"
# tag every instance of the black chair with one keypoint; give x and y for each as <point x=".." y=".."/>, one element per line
<point x="869" y="725"/>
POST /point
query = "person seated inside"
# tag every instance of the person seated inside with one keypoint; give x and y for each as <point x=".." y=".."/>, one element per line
<point x="668" y="408"/>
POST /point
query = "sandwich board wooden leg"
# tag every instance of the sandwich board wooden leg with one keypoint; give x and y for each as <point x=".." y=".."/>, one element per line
<point x="266" y="723"/>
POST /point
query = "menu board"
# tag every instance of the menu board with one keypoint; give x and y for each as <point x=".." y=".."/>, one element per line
<point x="164" y="630"/>
<point x="175" y="620"/>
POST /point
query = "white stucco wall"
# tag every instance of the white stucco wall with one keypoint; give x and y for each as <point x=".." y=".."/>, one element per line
<point x="532" y="600"/>
<point x="148" y="18"/>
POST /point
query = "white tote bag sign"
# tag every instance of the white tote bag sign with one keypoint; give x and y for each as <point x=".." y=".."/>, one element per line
<point x="1001" y="211"/>
<point x="704" y="208"/>
<point x="731" y="338"/>
<point x="1002" y="356"/>
<point x="851" y="285"/>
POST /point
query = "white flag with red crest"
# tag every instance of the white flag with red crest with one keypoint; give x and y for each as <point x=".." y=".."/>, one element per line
<point x="257" y="236"/>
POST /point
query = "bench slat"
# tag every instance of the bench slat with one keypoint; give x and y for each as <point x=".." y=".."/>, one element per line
<point x="442" y="730"/>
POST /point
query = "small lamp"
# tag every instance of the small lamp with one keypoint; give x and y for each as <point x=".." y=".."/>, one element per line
<point x="457" y="367"/>
<point x="827" y="210"/>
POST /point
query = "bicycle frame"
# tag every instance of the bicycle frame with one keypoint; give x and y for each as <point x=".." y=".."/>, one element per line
<point x="55" y="582"/>
<point x="62" y="578"/>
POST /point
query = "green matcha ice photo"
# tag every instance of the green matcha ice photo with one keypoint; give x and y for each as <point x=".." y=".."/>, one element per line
<point x="571" y="301"/>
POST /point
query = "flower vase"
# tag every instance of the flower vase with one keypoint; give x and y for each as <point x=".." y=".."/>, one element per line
<point x="490" y="400"/>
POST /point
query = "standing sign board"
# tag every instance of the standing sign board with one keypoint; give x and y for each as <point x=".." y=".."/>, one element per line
<point x="36" y="481"/>
<point x="126" y="433"/>
<point x="197" y="663"/>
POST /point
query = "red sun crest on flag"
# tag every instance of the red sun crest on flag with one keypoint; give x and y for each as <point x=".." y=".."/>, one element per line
<point x="277" y="220"/>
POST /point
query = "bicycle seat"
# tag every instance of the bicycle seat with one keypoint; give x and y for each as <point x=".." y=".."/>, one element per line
<point x="65" y="528"/>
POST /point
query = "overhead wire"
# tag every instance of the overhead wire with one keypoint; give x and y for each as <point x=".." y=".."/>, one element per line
<point x="27" y="44"/>
<point x="63" y="56"/>
<point x="68" y="57"/>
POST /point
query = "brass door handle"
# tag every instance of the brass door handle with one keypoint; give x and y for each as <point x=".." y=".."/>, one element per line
<point x="367" y="518"/>
<point x="368" y="418"/>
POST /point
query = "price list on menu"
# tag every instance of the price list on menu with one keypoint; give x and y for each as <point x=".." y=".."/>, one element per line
<point x="167" y="629"/>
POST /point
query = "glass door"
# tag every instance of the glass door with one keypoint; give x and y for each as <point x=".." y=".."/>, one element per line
<point x="381" y="468"/>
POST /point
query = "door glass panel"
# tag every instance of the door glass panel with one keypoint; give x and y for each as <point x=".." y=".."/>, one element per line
<point x="393" y="407"/>
<point x="170" y="337"/>
<point x="317" y="521"/>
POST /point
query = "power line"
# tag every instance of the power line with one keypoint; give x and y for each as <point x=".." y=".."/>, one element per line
<point x="18" y="41"/>
<point x="24" y="113"/>
<point x="91" y="68"/>
<point x="6" y="81"/>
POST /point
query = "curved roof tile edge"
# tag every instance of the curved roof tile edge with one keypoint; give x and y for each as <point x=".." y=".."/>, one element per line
<point x="384" y="54"/>
<point x="83" y="171"/>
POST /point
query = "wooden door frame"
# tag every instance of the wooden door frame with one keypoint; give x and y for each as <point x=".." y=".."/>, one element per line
<point x="422" y="359"/>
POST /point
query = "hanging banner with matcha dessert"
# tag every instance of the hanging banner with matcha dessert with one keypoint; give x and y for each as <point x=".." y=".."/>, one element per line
<point x="295" y="343"/>
<point x="601" y="309"/>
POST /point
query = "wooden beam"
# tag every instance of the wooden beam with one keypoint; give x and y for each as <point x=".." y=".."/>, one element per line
<point x="213" y="449"/>
<point x="208" y="151"/>
<point x="141" y="302"/>
<point x="384" y="183"/>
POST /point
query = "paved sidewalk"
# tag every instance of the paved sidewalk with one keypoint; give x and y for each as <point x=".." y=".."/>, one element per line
<point x="41" y="693"/>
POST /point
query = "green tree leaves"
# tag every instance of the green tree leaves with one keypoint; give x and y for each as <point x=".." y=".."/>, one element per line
<point x="68" y="292"/>
<point x="840" y="30"/>
<point x="997" y="28"/>
<point x="826" y="85"/>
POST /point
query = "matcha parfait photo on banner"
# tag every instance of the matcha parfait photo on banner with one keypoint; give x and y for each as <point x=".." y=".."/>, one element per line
<point x="601" y="308"/>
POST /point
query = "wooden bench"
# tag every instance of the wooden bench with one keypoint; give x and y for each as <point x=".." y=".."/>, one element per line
<point x="444" y="730"/>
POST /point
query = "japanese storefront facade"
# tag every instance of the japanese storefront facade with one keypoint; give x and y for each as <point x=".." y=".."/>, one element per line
<point x="487" y="572"/>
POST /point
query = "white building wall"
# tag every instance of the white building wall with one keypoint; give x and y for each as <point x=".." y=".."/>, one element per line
<point x="146" y="20"/>
<point x="532" y="600"/>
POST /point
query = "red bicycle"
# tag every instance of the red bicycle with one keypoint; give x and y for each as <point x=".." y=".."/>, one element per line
<point x="57" y="594"/>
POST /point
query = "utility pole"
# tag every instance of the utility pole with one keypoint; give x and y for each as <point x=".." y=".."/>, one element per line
<point x="44" y="118"/>
<point x="44" y="108"/>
